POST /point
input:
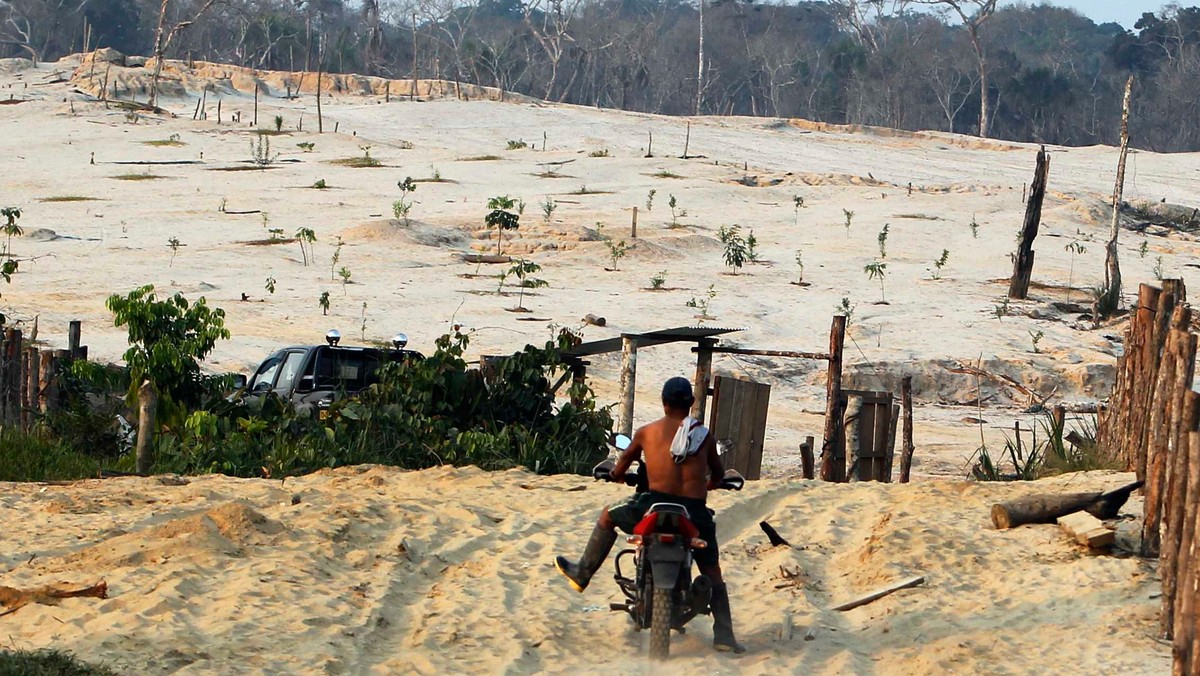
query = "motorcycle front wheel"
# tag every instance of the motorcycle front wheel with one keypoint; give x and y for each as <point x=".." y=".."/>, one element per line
<point x="660" y="624"/>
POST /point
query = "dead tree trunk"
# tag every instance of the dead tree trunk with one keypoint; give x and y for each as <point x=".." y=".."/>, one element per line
<point x="906" y="403"/>
<point x="1111" y="299"/>
<point x="834" y="430"/>
<point x="159" y="50"/>
<point x="1023" y="260"/>
<point x="147" y="414"/>
<point x="1047" y="508"/>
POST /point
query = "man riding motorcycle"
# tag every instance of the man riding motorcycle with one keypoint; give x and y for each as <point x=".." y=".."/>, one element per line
<point x="680" y="457"/>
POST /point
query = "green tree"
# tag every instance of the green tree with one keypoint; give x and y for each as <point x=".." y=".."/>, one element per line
<point x="501" y="218"/>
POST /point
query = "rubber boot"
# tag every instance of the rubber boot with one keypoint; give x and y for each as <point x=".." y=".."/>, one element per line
<point x="723" y="638"/>
<point x="598" y="546"/>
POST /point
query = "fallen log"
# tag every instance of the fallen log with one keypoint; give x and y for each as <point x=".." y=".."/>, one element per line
<point x="13" y="599"/>
<point x="486" y="258"/>
<point x="1047" y="508"/>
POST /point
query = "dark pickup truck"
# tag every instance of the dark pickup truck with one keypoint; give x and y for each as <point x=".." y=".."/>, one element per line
<point x="313" y="376"/>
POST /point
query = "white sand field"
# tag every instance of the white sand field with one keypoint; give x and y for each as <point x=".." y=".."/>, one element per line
<point x="224" y="575"/>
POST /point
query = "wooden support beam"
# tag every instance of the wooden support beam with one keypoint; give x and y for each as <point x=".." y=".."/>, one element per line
<point x="703" y="380"/>
<point x="74" y="337"/>
<point x="823" y="356"/>
<point x="908" y="448"/>
<point x="833" y="396"/>
<point x="629" y="348"/>
<point x="806" y="458"/>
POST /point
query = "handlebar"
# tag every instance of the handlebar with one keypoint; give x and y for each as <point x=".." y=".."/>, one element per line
<point x="732" y="481"/>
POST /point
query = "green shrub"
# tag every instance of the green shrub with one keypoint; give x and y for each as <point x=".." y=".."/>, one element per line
<point x="47" y="663"/>
<point x="33" y="457"/>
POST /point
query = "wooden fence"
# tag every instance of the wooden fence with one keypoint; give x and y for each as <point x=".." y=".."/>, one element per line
<point x="1152" y="424"/>
<point x="29" y="376"/>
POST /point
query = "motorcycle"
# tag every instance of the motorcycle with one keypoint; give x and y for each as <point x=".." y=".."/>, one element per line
<point x="661" y="593"/>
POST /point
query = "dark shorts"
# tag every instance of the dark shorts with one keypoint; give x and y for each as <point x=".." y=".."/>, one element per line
<point x="627" y="513"/>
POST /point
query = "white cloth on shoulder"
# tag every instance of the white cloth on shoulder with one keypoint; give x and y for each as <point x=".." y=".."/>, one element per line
<point x="688" y="439"/>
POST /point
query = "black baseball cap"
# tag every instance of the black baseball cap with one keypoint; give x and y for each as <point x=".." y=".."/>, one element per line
<point x="677" y="393"/>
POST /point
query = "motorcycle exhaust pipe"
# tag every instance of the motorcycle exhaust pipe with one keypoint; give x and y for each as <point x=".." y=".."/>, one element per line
<point x="701" y="593"/>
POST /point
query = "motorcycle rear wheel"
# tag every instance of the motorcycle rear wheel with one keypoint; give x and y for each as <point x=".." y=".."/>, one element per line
<point x="660" y="624"/>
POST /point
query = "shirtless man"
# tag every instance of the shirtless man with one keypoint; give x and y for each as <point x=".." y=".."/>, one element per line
<point x="686" y="482"/>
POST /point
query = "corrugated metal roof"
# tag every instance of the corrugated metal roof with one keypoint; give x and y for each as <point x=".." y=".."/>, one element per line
<point x="650" y="338"/>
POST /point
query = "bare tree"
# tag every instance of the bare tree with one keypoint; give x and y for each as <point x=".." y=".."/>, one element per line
<point x="1112" y="267"/>
<point x="161" y="43"/>
<point x="980" y="12"/>
<point x="549" y="22"/>
<point x="869" y="20"/>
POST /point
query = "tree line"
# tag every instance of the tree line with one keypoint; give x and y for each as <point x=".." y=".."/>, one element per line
<point x="1026" y="73"/>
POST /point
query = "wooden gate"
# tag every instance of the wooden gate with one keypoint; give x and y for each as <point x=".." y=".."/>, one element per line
<point x="739" y="422"/>
<point x="870" y="430"/>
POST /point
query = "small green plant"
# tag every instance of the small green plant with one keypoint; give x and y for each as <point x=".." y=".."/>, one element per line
<point x="278" y="123"/>
<point x="1144" y="248"/>
<point x="402" y="206"/>
<point x="703" y="303"/>
<point x="1158" y="268"/>
<point x="1000" y="310"/>
<point x="665" y="174"/>
<point x="1036" y="337"/>
<point x="603" y="152"/>
<point x="260" y="153"/>
<point x="882" y="239"/>
<point x="877" y="270"/>
<point x="337" y="256"/>
<point x="657" y="281"/>
<point x="306" y="237"/>
<point x="650" y="199"/>
<point x="320" y="184"/>
<point x="616" y="251"/>
<point x="437" y="176"/>
<point x="1074" y="248"/>
<point x="849" y="215"/>
<point x="323" y="302"/>
<point x="752" y="253"/>
<point x="676" y="212"/>
<point x="364" y="162"/>
<point x="171" y="141"/>
<point x="735" y="247"/>
<point x="846" y="309"/>
<point x="306" y="146"/>
<point x="11" y="229"/>
<point x="974" y="227"/>
<point x="519" y="144"/>
<point x="270" y="285"/>
<point x="363" y="325"/>
<point x="800" y="264"/>
<point x="522" y="269"/>
<point x="940" y="263"/>
<point x="344" y="273"/>
<point x="501" y="218"/>
<point x="548" y="207"/>
<point x="174" y="244"/>
<point x="797" y="205"/>
<point x="276" y="234"/>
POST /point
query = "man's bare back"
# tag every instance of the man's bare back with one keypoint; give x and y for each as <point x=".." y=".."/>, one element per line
<point x="692" y="478"/>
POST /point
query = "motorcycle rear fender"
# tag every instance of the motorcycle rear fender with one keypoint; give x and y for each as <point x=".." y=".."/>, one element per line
<point x="666" y="564"/>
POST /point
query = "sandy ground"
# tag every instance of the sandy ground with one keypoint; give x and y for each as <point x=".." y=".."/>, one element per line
<point x="372" y="570"/>
<point x="411" y="278"/>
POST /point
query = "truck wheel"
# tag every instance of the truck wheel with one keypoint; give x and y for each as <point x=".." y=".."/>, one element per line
<point x="660" y="625"/>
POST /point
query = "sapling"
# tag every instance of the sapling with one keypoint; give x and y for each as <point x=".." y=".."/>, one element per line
<point x="882" y="239"/>
<point x="501" y="218"/>
<point x="974" y="227"/>
<point x="1074" y="248"/>
<point x="1158" y="268"/>
<point x="1036" y="337"/>
<point x="519" y="144"/>
<point x="849" y="217"/>
<point x="306" y="147"/>
<point x="174" y="244"/>
<point x="940" y="263"/>
<point x="797" y="204"/>
<point x="650" y="199"/>
<point x="735" y="247"/>
<point x="846" y="308"/>
<point x="323" y="302"/>
<point x="800" y="264"/>
<point x="676" y="214"/>
<point x="11" y="229"/>
<point x="320" y="184"/>
<point x="522" y="269"/>
<point x="261" y="154"/>
<point x="703" y="302"/>
<point x="306" y="237"/>
<point x="270" y="285"/>
<point x="548" y="207"/>
<point x="276" y="234"/>
<point x="344" y="273"/>
<point x="1144" y="248"/>
<point x="278" y="123"/>
<point x="266" y="219"/>
<point x="752" y="253"/>
<point x="363" y="326"/>
<point x="1001" y="310"/>
<point x="402" y="206"/>
<point x="337" y="255"/>
<point x="657" y="281"/>
<point x="616" y="251"/>
<point x="877" y="270"/>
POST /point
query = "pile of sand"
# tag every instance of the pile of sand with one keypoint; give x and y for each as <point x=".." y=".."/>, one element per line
<point x="377" y="570"/>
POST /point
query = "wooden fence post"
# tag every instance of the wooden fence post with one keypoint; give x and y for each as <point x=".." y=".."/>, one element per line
<point x="833" y="397"/>
<point x="703" y="378"/>
<point x="1175" y="514"/>
<point x="10" y="387"/>
<point x="46" y="382"/>
<point x="633" y="227"/>
<point x="1023" y="261"/>
<point x="628" y="384"/>
<point x="850" y="428"/>
<point x="908" y="448"/>
<point x="806" y="458"/>
<point x="74" y="336"/>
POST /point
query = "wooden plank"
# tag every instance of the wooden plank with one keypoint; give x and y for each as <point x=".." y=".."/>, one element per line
<point x="737" y="404"/>
<point x="1087" y="529"/>
<point x="890" y="452"/>
<point x="880" y="593"/>
<point x="853" y="431"/>
<point x="759" y="426"/>
<point x="819" y="356"/>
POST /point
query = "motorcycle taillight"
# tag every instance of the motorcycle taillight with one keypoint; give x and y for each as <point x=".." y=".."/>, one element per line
<point x="666" y="538"/>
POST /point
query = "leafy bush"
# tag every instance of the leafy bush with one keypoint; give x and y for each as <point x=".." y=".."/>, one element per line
<point x="47" y="663"/>
<point x="34" y="457"/>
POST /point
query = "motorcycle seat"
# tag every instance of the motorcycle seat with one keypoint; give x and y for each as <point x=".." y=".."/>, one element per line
<point x="669" y="508"/>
